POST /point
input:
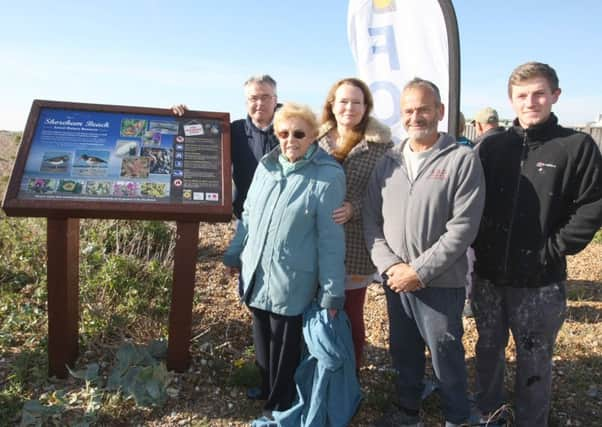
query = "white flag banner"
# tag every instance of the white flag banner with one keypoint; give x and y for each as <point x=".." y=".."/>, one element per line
<point x="393" y="41"/>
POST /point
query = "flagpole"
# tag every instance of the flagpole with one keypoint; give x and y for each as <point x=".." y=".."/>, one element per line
<point x="453" y="41"/>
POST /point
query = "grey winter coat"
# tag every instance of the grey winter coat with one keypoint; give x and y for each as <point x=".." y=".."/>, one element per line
<point x="428" y="223"/>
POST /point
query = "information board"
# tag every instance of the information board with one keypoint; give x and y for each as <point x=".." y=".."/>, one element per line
<point x="122" y="162"/>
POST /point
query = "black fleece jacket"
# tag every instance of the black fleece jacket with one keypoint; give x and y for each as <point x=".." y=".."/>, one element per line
<point x="249" y="144"/>
<point x="543" y="202"/>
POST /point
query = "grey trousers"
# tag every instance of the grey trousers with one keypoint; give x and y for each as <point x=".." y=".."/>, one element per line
<point x="431" y="316"/>
<point x="534" y="315"/>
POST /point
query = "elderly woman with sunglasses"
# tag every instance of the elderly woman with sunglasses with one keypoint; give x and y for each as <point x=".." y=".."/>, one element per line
<point x="288" y="249"/>
<point x="356" y="141"/>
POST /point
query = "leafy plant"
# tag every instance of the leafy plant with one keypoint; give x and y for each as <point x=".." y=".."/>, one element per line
<point x="598" y="236"/>
<point x="34" y="413"/>
<point x="29" y="367"/>
<point x="11" y="403"/>
<point x="22" y="252"/>
<point x="244" y="371"/>
<point x="140" y="375"/>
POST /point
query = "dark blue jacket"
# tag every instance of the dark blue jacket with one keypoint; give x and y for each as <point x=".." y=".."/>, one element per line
<point x="249" y="144"/>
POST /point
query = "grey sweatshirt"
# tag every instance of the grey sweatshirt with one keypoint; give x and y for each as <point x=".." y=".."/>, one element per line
<point x="430" y="222"/>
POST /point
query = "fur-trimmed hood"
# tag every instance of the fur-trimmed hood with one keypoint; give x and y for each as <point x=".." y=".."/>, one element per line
<point x="376" y="132"/>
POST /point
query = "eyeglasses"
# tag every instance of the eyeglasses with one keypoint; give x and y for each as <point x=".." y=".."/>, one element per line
<point x="297" y="134"/>
<point x="254" y="99"/>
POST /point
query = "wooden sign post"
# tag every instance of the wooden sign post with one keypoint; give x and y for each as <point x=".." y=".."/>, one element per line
<point x="182" y="293"/>
<point x="106" y="161"/>
<point x="63" y="293"/>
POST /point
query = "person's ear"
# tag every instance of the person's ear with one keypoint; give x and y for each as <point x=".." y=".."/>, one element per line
<point x="555" y="95"/>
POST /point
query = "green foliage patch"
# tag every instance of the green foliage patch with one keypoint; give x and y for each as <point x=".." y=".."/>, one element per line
<point x="125" y="277"/>
<point x="138" y="373"/>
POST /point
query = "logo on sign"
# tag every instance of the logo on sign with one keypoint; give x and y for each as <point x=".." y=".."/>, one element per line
<point x="383" y="6"/>
<point x="193" y="130"/>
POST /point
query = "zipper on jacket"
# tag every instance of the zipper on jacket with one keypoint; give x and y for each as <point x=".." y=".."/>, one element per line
<point x="405" y="213"/>
<point x="431" y="159"/>
<point x="515" y="201"/>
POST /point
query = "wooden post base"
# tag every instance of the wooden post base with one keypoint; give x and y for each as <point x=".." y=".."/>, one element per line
<point x="63" y="294"/>
<point x="180" y="313"/>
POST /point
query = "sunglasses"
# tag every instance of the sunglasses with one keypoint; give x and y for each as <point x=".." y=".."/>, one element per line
<point x="297" y="134"/>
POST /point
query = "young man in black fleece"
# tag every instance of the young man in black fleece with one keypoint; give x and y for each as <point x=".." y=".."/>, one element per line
<point x="543" y="202"/>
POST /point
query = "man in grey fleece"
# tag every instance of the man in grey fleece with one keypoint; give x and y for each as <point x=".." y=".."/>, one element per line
<point x="421" y="212"/>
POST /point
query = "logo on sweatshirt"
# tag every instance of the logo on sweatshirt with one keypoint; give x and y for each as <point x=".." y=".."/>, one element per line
<point x="440" y="174"/>
<point x="541" y="165"/>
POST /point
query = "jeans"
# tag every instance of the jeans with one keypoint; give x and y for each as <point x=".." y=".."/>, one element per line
<point x="534" y="315"/>
<point x="431" y="316"/>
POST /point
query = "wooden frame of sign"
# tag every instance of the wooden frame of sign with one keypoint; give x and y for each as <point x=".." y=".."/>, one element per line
<point x="107" y="161"/>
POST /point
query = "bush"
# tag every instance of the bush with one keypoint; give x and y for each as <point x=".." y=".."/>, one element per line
<point x="22" y="251"/>
<point x="142" y="239"/>
<point x="125" y="272"/>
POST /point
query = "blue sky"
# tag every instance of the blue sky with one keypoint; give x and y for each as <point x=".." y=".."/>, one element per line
<point x="156" y="53"/>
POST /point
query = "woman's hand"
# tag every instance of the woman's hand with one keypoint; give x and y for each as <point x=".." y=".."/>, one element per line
<point x="179" y="109"/>
<point x="231" y="271"/>
<point x="343" y="214"/>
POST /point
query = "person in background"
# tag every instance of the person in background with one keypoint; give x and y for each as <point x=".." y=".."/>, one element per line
<point x="421" y="212"/>
<point x="356" y="141"/>
<point x="486" y="123"/>
<point x="544" y="202"/>
<point x="252" y="137"/>
<point x="461" y="138"/>
<point x="287" y="248"/>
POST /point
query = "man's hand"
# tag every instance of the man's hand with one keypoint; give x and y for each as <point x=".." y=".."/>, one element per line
<point x="343" y="214"/>
<point x="179" y="109"/>
<point x="402" y="278"/>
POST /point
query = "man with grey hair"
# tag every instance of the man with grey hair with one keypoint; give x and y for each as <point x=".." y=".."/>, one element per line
<point x="421" y="212"/>
<point x="544" y="202"/>
<point x="251" y="137"/>
<point x="486" y="123"/>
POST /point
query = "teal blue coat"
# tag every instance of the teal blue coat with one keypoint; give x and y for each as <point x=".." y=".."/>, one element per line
<point x="328" y="392"/>
<point x="287" y="226"/>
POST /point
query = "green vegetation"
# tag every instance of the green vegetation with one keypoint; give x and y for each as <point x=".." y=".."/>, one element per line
<point x="125" y="280"/>
<point x="125" y="276"/>
<point x="129" y="264"/>
<point x="137" y="374"/>
<point x="245" y="373"/>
